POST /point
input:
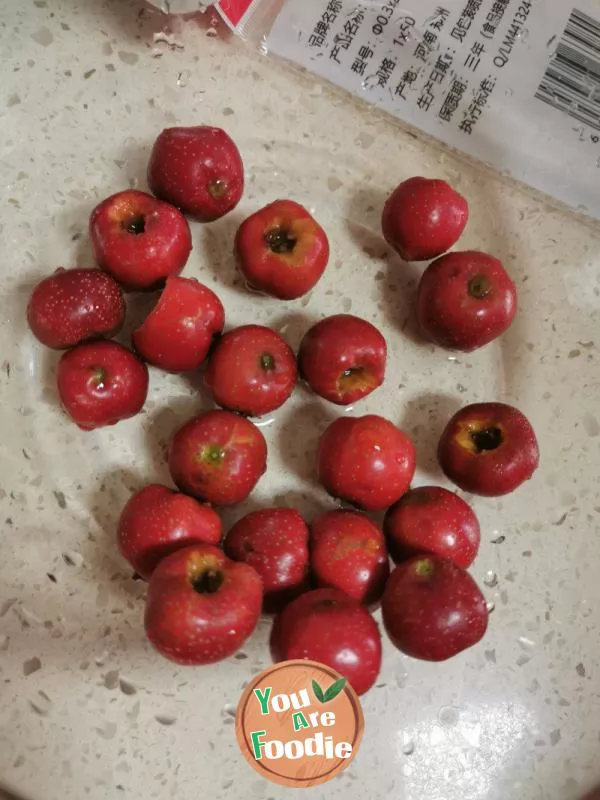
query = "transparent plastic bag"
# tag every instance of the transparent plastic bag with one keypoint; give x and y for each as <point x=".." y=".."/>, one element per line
<point x="512" y="83"/>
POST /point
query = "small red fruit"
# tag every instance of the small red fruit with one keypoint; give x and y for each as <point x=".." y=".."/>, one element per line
<point x="282" y="250"/>
<point x="366" y="461"/>
<point x="139" y="240"/>
<point x="74" y="305"/>
<point x="158" y="521"/>
<point x="275" y="542"/>
<point x="466" y="300"/>
<point x="348" y="552"/>
<point x="423" y="218"/>
<point x="198" y="169"/>
<point x="343" y="358"/>
<point x="201" y="607"/>
<point x="432" y="520"/>
<point x="178" y="333"/>
<point x="328" y="626"/>
<point x="432" y="609"/>
<point x="218" y="457"/>
<point x="101" y="383"/>
<point x="252" y="370"/>
<point x="489" y="449"/>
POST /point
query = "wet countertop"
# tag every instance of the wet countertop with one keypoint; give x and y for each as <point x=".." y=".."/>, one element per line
<point x="87" y="709"/>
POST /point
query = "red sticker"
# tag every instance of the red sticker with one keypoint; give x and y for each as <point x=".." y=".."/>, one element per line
<point x="234" y="10"/>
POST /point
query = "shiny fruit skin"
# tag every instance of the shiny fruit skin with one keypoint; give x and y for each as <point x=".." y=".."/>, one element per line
<point x="466" y="300"/>
<point x="424" y="217"/>
<point x="197" y="169"/>
<point x="274" y="541"/>
<point x="252" y="370"/>
<point x="366" y="461"/>
<point x="178" y="333"/>
<point x="432" y="609"/>
<point x="348" y="552"/>
<point x="432" y="520"/>
<point x="72" y="306"/>
<point x="343" y="359"/>
<point x="139" y="240"/>
<point x="202" y="625"/>
<point x="157" y="521"/>
<point x="328" y="626"/>
<point x="218" y="457"/>
<point x="101" y="383"/>
<point x="489" y="449"/>
<point x="282" y="250"/>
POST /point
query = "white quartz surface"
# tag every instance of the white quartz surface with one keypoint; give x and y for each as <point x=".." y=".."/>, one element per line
<point x="87" y="709"/>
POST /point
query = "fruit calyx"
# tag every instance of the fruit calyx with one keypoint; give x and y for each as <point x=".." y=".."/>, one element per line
<point x="267" y="362"/>
<point x="479" y="286"/>
<point x="135" y="225"/>
<point x="212" y="454"/>
<point x="487" y="439"/>
<point x="97" y="378"/>
<point x="207" y="582"/>
<point x="217" y="189"/>
<point x="355" y="378"/>
<point x="280" y="240"/>
<point x="425" y="568"/>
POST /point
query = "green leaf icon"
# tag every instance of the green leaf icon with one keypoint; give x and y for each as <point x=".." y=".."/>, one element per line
<point x="334" y="690"/>
<point x="318" y="692"/>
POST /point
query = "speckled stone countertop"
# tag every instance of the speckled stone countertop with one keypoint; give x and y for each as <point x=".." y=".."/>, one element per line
<point x="87" y="709"/>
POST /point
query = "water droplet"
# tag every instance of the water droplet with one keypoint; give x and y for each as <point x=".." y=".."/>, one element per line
<point x="183" y="78"/>
<point x="229" y="710"/>
<point x="254" y="290"/>
<point x="100" y="660"/>
<point x="401" y="676"/>
<point x="491" y="579"/>
<point x="448" y="716"/>
<point x="199" y="95"/>
<point x="523" y="34"/>
<point x="525" y="642"/>
<point x="211" y="32"/>
<point x="264" y="423"/>
<point x="263" y="47"/>
<point x="169" y="39"/>
<point x="369" y="83"/>
<point x="408" y="748"/>
<point x="490" y="605"/>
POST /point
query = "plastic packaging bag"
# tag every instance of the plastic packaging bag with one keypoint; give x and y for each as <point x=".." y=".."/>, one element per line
<point x="512" y="83"/>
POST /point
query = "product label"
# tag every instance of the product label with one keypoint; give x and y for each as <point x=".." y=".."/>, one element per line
<point x="514" y="83"/>
<point x="299" y="723"/>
